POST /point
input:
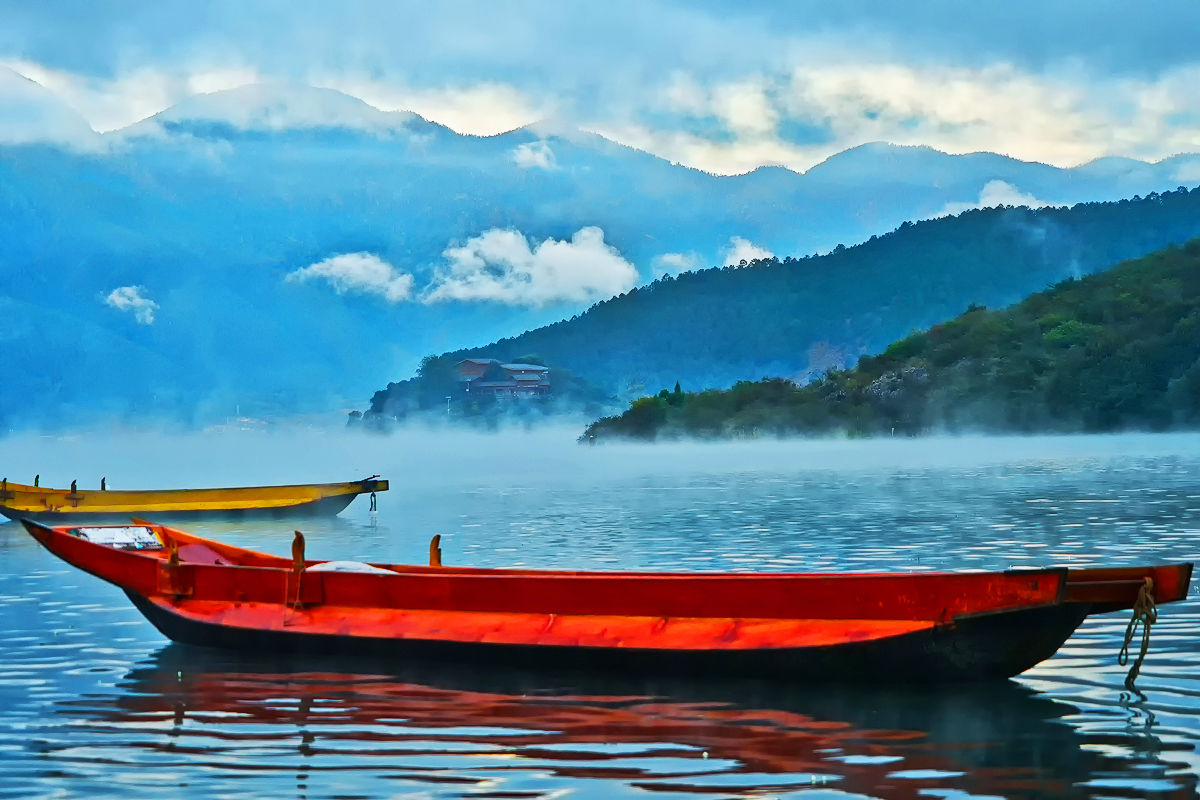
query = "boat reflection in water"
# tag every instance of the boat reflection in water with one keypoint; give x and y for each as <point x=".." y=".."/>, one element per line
<point x="479" y="733"/>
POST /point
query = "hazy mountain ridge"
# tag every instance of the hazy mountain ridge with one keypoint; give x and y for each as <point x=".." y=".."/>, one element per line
<point x="209" y="206"/>
<point x="796" y="318"/>
<point x="1118" y="350"/>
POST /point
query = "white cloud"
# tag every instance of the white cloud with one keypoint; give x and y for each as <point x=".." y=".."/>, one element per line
<point x="482" y="108"/>
<point x="740" y="250"/>
<point x="743" y="106"/>
<point x="993" y="194"/>
<point x="500" y="266"/>
<point x="112" y="103"/>
<point x="745" y="110"/>
<point x="479" y="109"/>
<point x="674" y="263"/>
<point x="723" y="156"/>
<point x="1061" y="115"/>
<point x="796" y="94"/>
<point x="284" y="106"/>
<point x="130" y="299"/>
<point x="364" y="273"/>
<point x="955" y="109"/>
<point x="534" y="155"/>
<point x="31" y="113"/>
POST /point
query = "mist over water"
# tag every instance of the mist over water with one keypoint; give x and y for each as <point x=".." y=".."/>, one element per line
<point x="634" y="505"/>
<point x="149" y="458"/>
<point x="92" y="699"/>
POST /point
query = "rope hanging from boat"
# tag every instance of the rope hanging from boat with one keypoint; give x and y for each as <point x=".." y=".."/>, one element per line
<point x="1145" y="613"/>
<point x="368" y="483"/>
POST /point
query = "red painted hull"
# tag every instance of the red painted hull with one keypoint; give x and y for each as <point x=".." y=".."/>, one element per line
<point x="923" y="626"/>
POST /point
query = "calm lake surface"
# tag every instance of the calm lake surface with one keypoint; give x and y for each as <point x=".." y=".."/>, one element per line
<point x="94" y="702"/>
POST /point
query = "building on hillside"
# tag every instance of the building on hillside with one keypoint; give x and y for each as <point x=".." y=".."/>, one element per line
<point x="489" y="376"/>
<point x="472" y="369"/>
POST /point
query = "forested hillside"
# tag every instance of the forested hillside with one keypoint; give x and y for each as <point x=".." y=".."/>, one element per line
<point x="1113" y="351"/>
<point x="798" y="317"/>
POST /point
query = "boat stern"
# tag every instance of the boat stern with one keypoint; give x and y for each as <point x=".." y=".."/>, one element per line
<point x="373" y="485"/>
<point x="1117" y="588"/>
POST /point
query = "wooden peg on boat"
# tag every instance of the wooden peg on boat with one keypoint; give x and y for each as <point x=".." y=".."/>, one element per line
<point x="298" y="553"/>
<point x="435" y="550"/>
<point x="37" y="478"/>
<point x="73" y="496"/>
<point x="104" y="484"/>
<point x="298" y="570"/>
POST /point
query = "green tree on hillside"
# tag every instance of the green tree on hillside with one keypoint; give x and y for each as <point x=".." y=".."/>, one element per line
<point x="1116" y="350"/>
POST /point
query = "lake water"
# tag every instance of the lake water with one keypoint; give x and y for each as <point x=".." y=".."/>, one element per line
<point x="94" y="702"/>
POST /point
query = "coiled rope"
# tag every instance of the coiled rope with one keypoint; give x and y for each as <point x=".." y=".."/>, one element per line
<point x="1145" y="613"/>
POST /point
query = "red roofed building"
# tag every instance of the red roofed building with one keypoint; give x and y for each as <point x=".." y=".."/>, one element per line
<point x="488" y="375"/>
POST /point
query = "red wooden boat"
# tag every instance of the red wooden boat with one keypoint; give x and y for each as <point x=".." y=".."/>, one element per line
<point x="842" y="626"/>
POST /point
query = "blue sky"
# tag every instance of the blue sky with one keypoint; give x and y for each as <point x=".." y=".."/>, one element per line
<point x="724" y="87"/>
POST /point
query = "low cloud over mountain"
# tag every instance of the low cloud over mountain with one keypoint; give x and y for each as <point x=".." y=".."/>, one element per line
<point x="501" y="266"/>
<point x="993" y="194"/>
<point x="364" y="273"/>
<point x="740" y="250"/>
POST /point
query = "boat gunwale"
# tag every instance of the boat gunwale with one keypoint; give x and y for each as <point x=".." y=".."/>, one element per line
<point x="380" y="482"/>
<point x="474" y="584"/>
<point x="414" y="570"/>
<point x="282" y="563"/>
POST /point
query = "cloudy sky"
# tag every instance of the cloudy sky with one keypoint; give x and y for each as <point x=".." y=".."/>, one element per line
<point x="724" y="87"/>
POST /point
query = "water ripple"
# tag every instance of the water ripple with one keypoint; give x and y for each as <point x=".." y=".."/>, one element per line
<point x="93" y="702"/>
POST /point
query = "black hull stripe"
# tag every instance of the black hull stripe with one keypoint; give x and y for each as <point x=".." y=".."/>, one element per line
<point x="994" y="646"/>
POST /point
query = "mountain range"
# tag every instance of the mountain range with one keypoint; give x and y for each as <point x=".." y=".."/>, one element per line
<point x="186" y="266"/>
<point x="1117" y="350"/>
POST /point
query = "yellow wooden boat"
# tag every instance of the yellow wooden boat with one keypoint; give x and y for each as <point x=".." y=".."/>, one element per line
<point x="36" y="502"/>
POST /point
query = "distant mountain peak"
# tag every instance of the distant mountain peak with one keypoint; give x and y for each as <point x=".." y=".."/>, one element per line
<point x="1112" y="166"/>
<point x="881" y="150"/>
<point x="32" y="114"/>
<point x="873" y="159"/>
<point x="276" y="107"/>
<point x="920" y="165"/>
